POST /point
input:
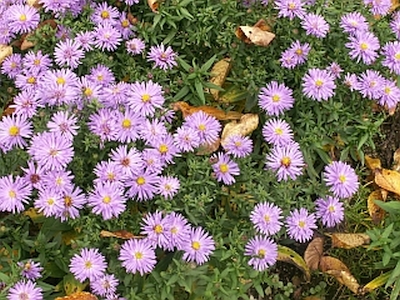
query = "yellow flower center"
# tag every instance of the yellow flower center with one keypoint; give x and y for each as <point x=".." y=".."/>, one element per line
<point x="67" y="201"/>
<point x="342" y="178"/>
<point x="278" y="131"/>
<point x="50" y="201"/>
<point x="106" y="199"/>
<point x="13" y="131"/>
<point x="299" y="52"/>
<point x="31" y="80"/>
<point x="22" y="18"/>
<point x="387" y="90"/>
<point x="261" y="253"/>
<point x="238" y="143"/>
<point x="174" y="230"/>
<point x="100" y="77"/>
<point x="331" y="208"/>
<point x="202" y="127"/>
<point x="88" y="92"/>
<point x="364" y="46"/>
<point x="138" y="255"/>
<point x="224" y="168"/>
<point x="302" y="224"/>
<point x="125" y="162"/>
<point x="53" y="152"/>
<point x="126" y="123"/>
<point x="88" y="265"/>
<point x="397" y="56"/>
<point x="319" y="82"/>
<point x="36" y="62"/>
<point x="125" y="23"/>
<point x="110" y="176"/>
<point x="12" y="194"/>
<point x="59" y="181"/>
<point x="167" y="187"/>
<point x="158" y="229"/>
<point x="292" y="6"/>
<point x="146" y="98"/>
<point x="105" y="14"/>
<point x="60" y="81"/>
<point x="196" y="245"/>
<point x="276" y="98"/>
<point x="285" y="161"/>
<point x="13" y="65"/>
<point x="163" y="149"/>
<point x="140" y="180"/>
<point x="267" y="218"/>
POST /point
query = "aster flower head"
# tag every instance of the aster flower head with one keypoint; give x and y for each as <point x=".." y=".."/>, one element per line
<point x="33" y="174"/>
<point x="286" y="161"/>
<point x="69" y="53"/>
<point x="315" y="25"/>
<point x="166" y="148"/>
<point x="129" y="159"/>
<point x="124" y="26"/>
<point x="22" y="18"/>
<point x="14" y="129"/>
<point x="74" y="200"/>
<point x="137" y="256"/>
<point x="145" y="97"/>
<point x="104" y="13"/>
<point x="335" y="69"/>
<point x="395" y="25"/>
<point x="168" y="187"/>
<point x="88" y="264"/>
<point x="64" y="124"/>
<point x="186" y="139"/>
<point x="101" y="75"/>
<point x="36" y="62"/>
<point x="59" y="180"/>
<point x="85" y="40"/>
<point x="263" y="252"/>
<point x="142" y="185"/>
<point x="30" y="270"/>
<point x="14" y="193"/>
<point x="135" y="46"/>
<point x="351" y="81"/>
<point x="206" y="126"/>
<point x="353" y="22"/>
<point x="115" y="95"/>
<point x="391" y="54"/>
<point x="27" y="80"/>
<point x="25" y="290"/>
<point x="224" y="168"/>
<point x="379" y="7"/>
<point x="319" y="84"/>
<point x="300" y="51"/>
<point x="104" y="124"/>
<point x="163" y="58"/>
<point x="49" y="202"/>
<point x="390" y="94"/>
<point x="277" y="132"/>
<point x="156" y="228"/>
<point x="150" y="130"/>
<point x="275" y="98"/>
<point x="300" y="225"/>
<point x="290" y="8"/>
<point x="109" y="171"/>
<point x="363" y="46"/>
<point x="12" y="65"/>
<point x="341" y="179"/>
<point x="152" y="161"/>
<point x="106" y="37"/>
<point x="266" y="218"/>
<point x="330" y="210"/>
<point x="179" y="230"/>
<point x="105" y="286"/>
<point x="288" y="59"/>
<point x="238" y="146"/>
<point x="198" y="247"/>
<point x="370" y="84"/>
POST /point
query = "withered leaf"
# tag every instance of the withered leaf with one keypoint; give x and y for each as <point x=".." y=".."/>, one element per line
<point x="376" y="213"/>
<point x="388" y="180"/>
<point x="257" y="34"/>
<point x="313" y="253"/>
<point x="345" y="278"/>
<point x="372" y="163"/>
<point x="219" y="114"/>
<point x="349" y="240"/>
<point x="331" y="263"/>
<point x="79" y="296"/>
<point x="396" y="160"/>
<point x="376" y="282"/>
<point x="286" y="254"/>
<point x="5" y="51"/>
<point x="153" y="5"/>
<point x="207" y="149"/>
<point x="219" y="72"/>
<point x="121" y="234"/>
<point x="246" y="125"/>
<point x="395" y="5"/>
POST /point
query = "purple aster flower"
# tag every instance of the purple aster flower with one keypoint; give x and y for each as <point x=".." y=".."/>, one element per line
<point x="168" y="187"/>
<point x="6" y="34"/>
<point x="51" y="150"/>
<point x="137" y="256"/>
<point x="135" y="46"/>
<point x="145" y="97"/>
<point x="109" y="171"/>
<point x="152" y="130"/>
<point x="69" y="53"/>
<point x="153" y="161"/>
<point x="101" y="75"/>
<point x="265" y="217"/>
<point x="106" y="37"/>
<point x="335" y="69"/>
<point x="300" y="51"/>
<point x="198" y="247"/>
<point x="206" y="126"/>
<point x="379" y="7"/>
<point x="131" y="2"/>
<point x="142" y="185"/>
<point x="353" y="22"/>
<point x="224" y="168"/>
<point x="370" y="84"/>
<point x="61" y="122"/>
<point x="49" y="202"/>
<point x="74" y="200"/>
<point x="90" y="90"/>
<point x="315" y="25"/>
<point x="290" y="8"/>
<point x="363" y="45"/>
<point x="391" y="53"/>
<point x="162" y="58"/>
<point x="25" y="290"/>
<point x="105" y="286"/>
<point x="186" y="139"/>
<point x="59" y="180"/>
<point x="27" y="80"/>
<point x="341" y="179"/>
<point x="156" y="228"/>
<point x="319" y="84"/>
<point x="390" y="95"/>
<point x="275" y="98"/>
<point x="329" y="210"/>
<point x="124" y="26"/>
<point x="85" y="40"/>
<point x="129" y="159"/>
<point x="277" y="132"/>
<point x="286" y="161"/>
<point x="12" y="65"/>
<point x="33" y="174"/>
<point x="22" y="18"/>
<point x="104" y="124"/>
<point x="166" y="148"/>
<point x="25" y="104"/>
<point x="238" y="146"/>
<point x="104" y="13"/>
<point x="300" y="225"/>
<point x="107" y="200"/>
<point x="288" y="59"/>
<point x="395" y="24"/>
<point x="115" y="95"/>
<point x="179" y="230"/>
<point x="63" y="32"/>
<point x="263" y="252"/>
<point x="89" y="263"/>
<point x="30" y="269"/>
<point x="37" y="62"/>
<point x="14" y="193"/>
<point x="13" y="130"/>
<point x="351" y="81"/>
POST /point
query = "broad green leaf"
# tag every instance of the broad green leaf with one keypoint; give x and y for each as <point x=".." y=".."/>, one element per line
<point x="392" y="207"/>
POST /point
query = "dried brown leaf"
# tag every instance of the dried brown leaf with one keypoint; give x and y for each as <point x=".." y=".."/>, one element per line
<point x="257" y="34"/>
<point x="376" y="213"/>
<point x="207" y="149"/>
<point x="372" y="163"/>
<point x="5" y="51"/>
<point x="388" y="180"/>
<point x="349" y="240"/>
<point x="219" y="72"/>
<point x="246" y="125"/>
<point x="331" y="263"/>
<point x="345" y="278"/>
<point x="153" y="5"/>
<point x="219" y="114"/>
<point x="121" y="234"/>
<point x="396" y="160"/>
<point x="79" y="296"/>
<point x="313" y="253"/>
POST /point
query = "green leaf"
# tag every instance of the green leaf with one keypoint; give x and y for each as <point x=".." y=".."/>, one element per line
<point x="362" y="141"/>
<point x="182" y="93"/>
<point x="186" y="13"/>
<point x="170" y="36"/>
<point x="394" y="275"/>
<point x="392" y="207"/>
<point x="184" y="64"/>
<point x="208" y="64"/>
<point x="200" y="91"/>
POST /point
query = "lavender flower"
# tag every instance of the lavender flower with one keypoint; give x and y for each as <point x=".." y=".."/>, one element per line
<point x="162" y="58"/>
<point x="25" y="290"/>
<point x="22" y="18"/>
<point x="142" y="185"/>
<point x="145" y="97"/>
<point x="290" y="8"/>
<point x="238" y="146"/>
<point x="106" y="37"/>
<point x="137" y="256"/>
<point x="30" y="269"/>
<point x="277" y="132"/>
<point x="88" y="264"/>
<point x="351" y="81"/>
<point x="74" y="200"/>
<point x="330" y="210"/>
<point x="198" y="247"/>
<point x="168" y="187"/>
<point x="265" y="217"/>
<point x="156" y="228"/>
<point x="14" y="193"/>
<point x="186" y="139"/>
<point x="179" y="231"/>
<point x="391" y="53"/>
<point x="335" y="69"/>
<point x="370" y="84"/>
<point x="13" y="131"/>
<point x="263" y="252"/>
<point x="101" y="75"/>
<point x="318" y="84"/>
<point x="315" y="25"/>
<point x="224" y="168"/>
<point x="353" y="22"/>
<point x="49" y="202"/>
<point x="129" y="159"/>
<point x="300" y="51"/>
<point x="300" y="225"/>
<point x="68" y="53"/>
<point x="395" y="24"/>
<point x="363" y="46"/>
<point x="12" y="65"/>
<point x="135" y="46"/>
<point x="341" y="179"/>
<point x="37" y="62"/>
<point x="105" y="286"/>
<point x="390" y="95"/>
<point x="206" y="126"/>
<point x="379" y="7"/>
<point x="105" y="14"/>
<point x="61" y="122"/>
<point x="275" y="98"/>
<point x="85" y="40"/>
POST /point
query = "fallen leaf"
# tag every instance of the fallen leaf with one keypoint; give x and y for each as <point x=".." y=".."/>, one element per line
<point x="331" y="263"/>
<point x="257" y="34"/>
<point x="313" y="253"/>
<point x="79" y="296"/>
<point x="396" y="160"/>
<point x="372" y="163"/>
<point x="246" y="125"/>
<point x="349" y="240"/>
<point x="377" y="214"/>
<point x="207" y="149"/>
<point x="286" y="254"/>
<point x="153" y="5"/>
<point x="232" y="95"/>
<point x="376" y="282"/>
<point x="395" y="5"/>
<point x="34" y="3"/>
<point x="219" y="72"/>
<point x="345" y="278"/>
<point x="5" y="51"/>
<point x="388" y="180"/>
<point x="121" y="234"/>
<point x="219" y="114"/>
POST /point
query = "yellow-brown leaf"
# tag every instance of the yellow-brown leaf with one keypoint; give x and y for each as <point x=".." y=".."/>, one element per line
<point x="396" y="160"/>
<point x="219" y="72"/>
<point x="372" y="163"/>
<point x="219" y="114"/>
<point x="345" y="278"/>
<point x="257" y="34"/>
<point x="313" y="253"/>
<point x="376" y="213"/>
<point x="121" y="234"/>
<point x="331" y="263"/>
<point x="349" y="240"/>
<point x="246" y="125"/>
<point x="79" y="296"/>
<point x="5" y="51"/>
<point x="388" y="180"/>
<point x="153" y="4"/>
<point x="288" y="255"/>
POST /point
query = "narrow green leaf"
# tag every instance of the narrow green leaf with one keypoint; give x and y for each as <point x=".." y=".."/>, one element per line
<point x="392" y="207"/>
<point x="169" y="37"/>
<point x="182" y="93"/>
<point x="208" y="64"/>
<point x="200" y="91"/>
